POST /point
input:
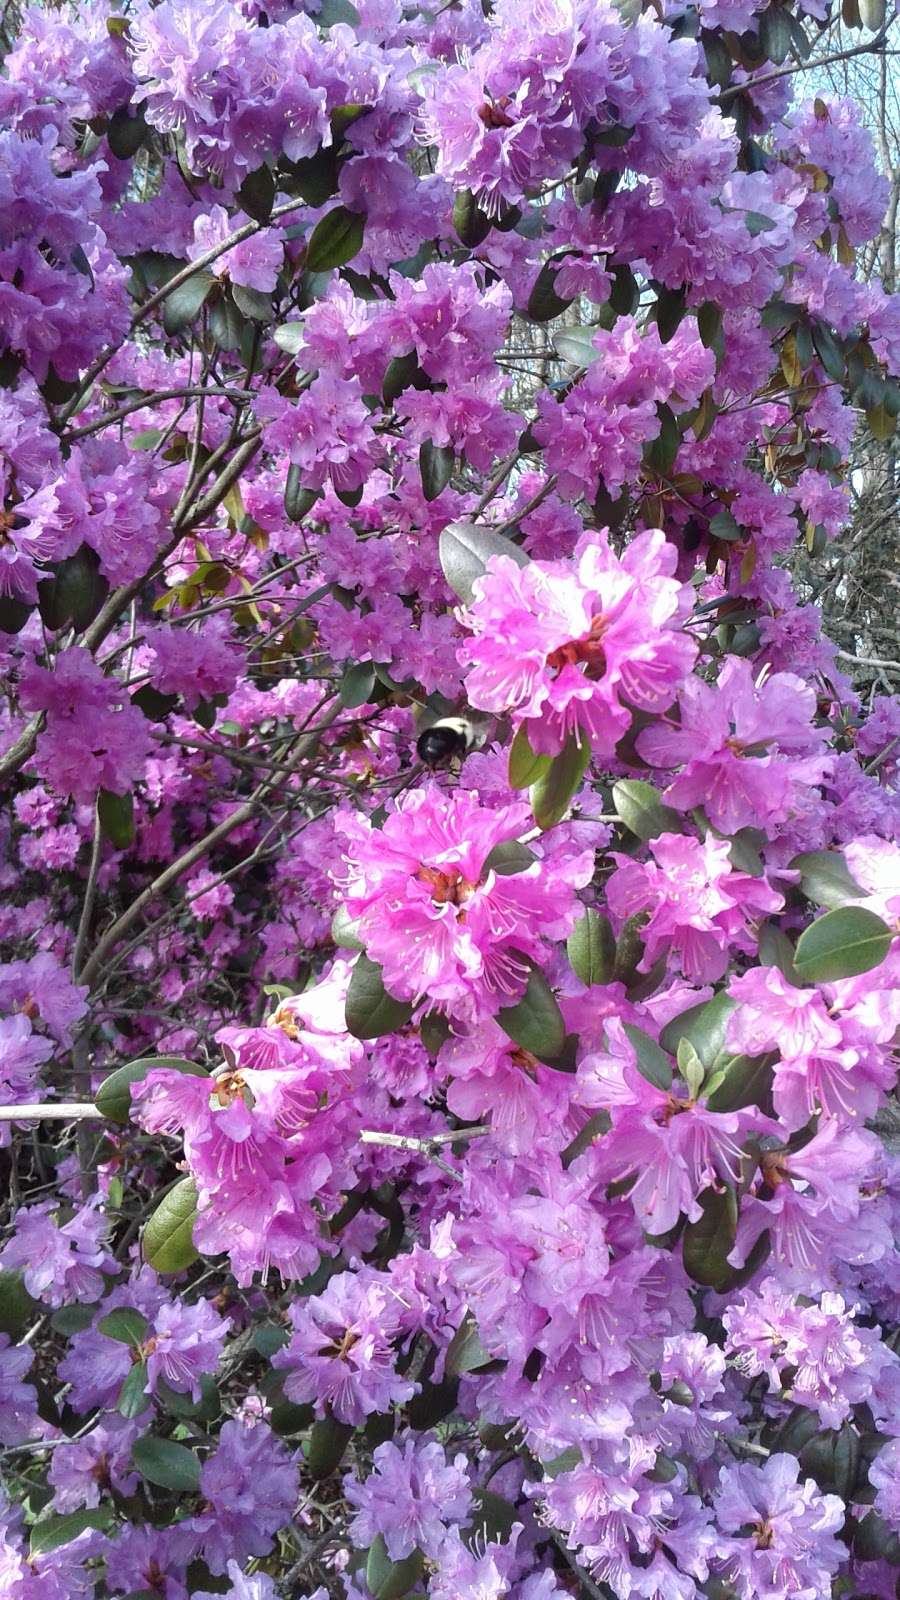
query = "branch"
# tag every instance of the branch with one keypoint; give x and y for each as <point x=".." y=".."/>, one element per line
<point x="750" y="84"/>
<point x="52" y="1111"/>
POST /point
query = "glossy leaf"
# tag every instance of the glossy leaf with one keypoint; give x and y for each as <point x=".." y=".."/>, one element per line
<point x="184" y="304"/>
<point x="525" y="767"/>
<point x="391" y="1580"/>
<point x="465" y="549"/>
<point x="842" y="944"/>
<point x="125" y="1325"/>
<point x="652" y="1062"/>
<point x="825" y="878"/>
<point x="642" y="810"/>
<point x="168" y="1241"/>
<point x="535" y="1022"/>
<point x="167" y="1464"/>
<point x="435" y="467"/>
<point x="335" y="239"/>
<point x="555" y="789"/>
<point x="51" y="1533"/>
<point x="113" y="1098"/>
<point x="591" y="948"/>
<point x="370" y="1010"/>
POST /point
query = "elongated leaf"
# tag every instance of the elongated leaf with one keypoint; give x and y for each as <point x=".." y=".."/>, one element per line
<point x="436" y="467"/>
<point x="113" y="1098"/>
<point x="465" y="1352"/>
<point x="253" y="303"/>
<point x="169" y="1235"/>
<point x="257" y="194"/>
<point x="115" y="814"/>
<point x="842" y="944"/>
<point x="289" y="337"/>
<point x="75" y="592"/>
<point x="345" y="931"/>
<point x="525" y="767"/>
<point x="335" y="239"/>
<point x="707" y="1243"/>
<point x="492" y="1519"/>
<point x="704" y="1026"/>
<point x="471" y="223"/>
<point x="125" y="1325"/>
<point x="370" y="1010"/>
<point x="328" y="1440"/>
<point x="357" y="685"/>
<point x="167" y="1464"/>
<point x="133" y="1398"/>
<point x="544" y="303"/>
<point x="642" y="810"/>
<point x="51" y="1533"/>
<point x="184" y="304"/>
<point x="508" y="858"/>
<point x="535" y="1023"/>
<point x="577" y="346"/>
<point x="465" y="550"/>
<point x="391" y="1580"/>
<point x="591" y="948"/>
<point x="825" y="878"/>
<point x="553" y="792"/>
<point x="16" y="1305"/>
<point x="298" y="501"/>
<point x="652" y="1062"/>
<point x="742" y="1081"/>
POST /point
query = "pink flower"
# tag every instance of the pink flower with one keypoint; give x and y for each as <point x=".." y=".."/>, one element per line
<point x="254" y="263"/>
<point x="341" y="1353"/>
<point x="434" y="914"/>
<point x="699" y="908"/>
<point x="774" y="1014"/>
<point x="569" y="647"/>
<point x="748" y="750"/>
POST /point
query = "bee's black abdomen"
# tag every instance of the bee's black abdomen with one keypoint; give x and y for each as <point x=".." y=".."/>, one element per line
<point x="441" y="743"/>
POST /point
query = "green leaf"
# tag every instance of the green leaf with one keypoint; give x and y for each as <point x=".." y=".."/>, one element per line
<point x="113" y="1098"/>
<point x="253" y="303"/>
<point x="126" y="132"/>
<point x="742" y="1081"/>
<point x="670" y="309"/>
<point x="226" y="323"/>
<point x="184" y="304"/>
<point x="642" y="811"/>
<point x="524" y="766"/>
<point x="75" y="592"/>
<point x="535" y="1022"/>
<point x="289" y="337"/>
<point x="707" y="1243"/>
<point x="465" y="550"/>
<point x="591" y="948"/>
<point x="115" y="814"/>
<point x="133" y="1397"/>
<point x="726" y="527"/>
<point x="552" y="793"/>
<point x="491" y="1521"/>
<point x="13" y="614"/>
<point x="704" y="1026"/>
<point x="298" y="501"/>
<point x="154" y="705"/>
<point x="69" y="1319"/>
<point x="435" y="467"/>
<point x="328" y="1440"/>
<point x="51" y="1533"/>
<point x="544" y="303"/>
<point x="16" y="1305"/>
<point x="168" y="1235"/>
<point x="756" y="223"/>
<point x="709" y="323"/>
<point x="465" y="1352"/>
<point x="125" y="1325"/>
<point x="370" y="1011"/>
<point x="167" y="1464"/>
<point x="344" y="930"/>
<point x="508" y="858"/>
<point x="652" y="1062"/>
<point x="335" y="239"/>
<point x="629" y="949"/>
<point x="842" y="944"/>
<point x="576" y="345"/>
<point x="390" y="1580"/>
<point x="776" y="950"/>
<point x="471" y="223"/>
<point x="827" y="351"/>
<point x="357" y="684"/>
<point x="661" y="452"/>
<point x="825" y="878"/>
<point x="434" y="1031"/>
<point x="257" y="194"/>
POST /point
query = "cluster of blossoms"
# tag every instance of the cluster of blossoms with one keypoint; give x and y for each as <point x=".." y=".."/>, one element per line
<point x="463" y="1163"/>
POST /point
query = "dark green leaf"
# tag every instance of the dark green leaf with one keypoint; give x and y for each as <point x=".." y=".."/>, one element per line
<point x="184" y="304"/>
<point x="226" y="323"/>
<point x="465" y="1352"/>
<point x="298" y="501"/>
<point x="471" y="223"/>
<point x="652" y="1062"/>
<point x="642" y="811"/>
<point x="434" y="1031"/>
<point x="70" y="1319"/>
<point x="16" y="1305"/>
<point x="491" y="1521"/>
<point x="742" y="1081"/>
<point x="335" y="239"/>
<point x="168" y="1236"/>
<point x="328" y="1440"/>
<point x="535" y="1022"/>
<point x="167" y="1464"/>
<point x="390" y="1580"/>
<point x="126" y="131"/>
<point x="629" y="949"/>
<point x="827" y="351"/>
<point x="709" y="323"/>
<point x="756" y="223"/>
<point x="825" y="878"/>
<point x="51" y="1533"/>
<point x="115" y="814"/>
<point x="554" y="790"/>
<point x="432" y="1404"/>
<point x="704" y="1026"/>
<point x="842" y="944"/>
<point x="661" y="452"/>
<point x="465" y="550"/>
<point x="370" y="1011"/>
<point x="544" y="303"/>
<point x="133" y="1397"/>
<point x="591" y="948"/>
<point x="13" y="614"/>
<point x="357" y="684"/>
<point x="154" y="705"/>
<point x="253" y="303"/>
<point x="402" y="373"/>
<point x="435" y="467"/>
<point x="509" y="858"/>
<point x="524" y="766"/>
<point x="76" y="591"/>
<point x="726" y="527"/>
<point x="257" y="194"/>
<point x="670" y="309"/>
<point x="125" y="1325"/>
<point x="707" y="1243"/>
<point x="113" y="1098"/>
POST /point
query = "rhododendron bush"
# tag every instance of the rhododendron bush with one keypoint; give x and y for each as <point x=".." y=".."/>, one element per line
<point x="451" y="1166"/>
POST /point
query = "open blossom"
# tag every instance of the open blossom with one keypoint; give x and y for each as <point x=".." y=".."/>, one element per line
<point x="81" y="1470"/>
<point x="437" y="917"/>
<point x="250" y="1485"/>
<point x="185" y="1342"/>
<point x="748" y="750"/>
<point x="568" y="647"/>
<point x="698" y="907"/>
<point x="254" y="263"/>
<point x="409" y="1497"/>
<point x="341" y="1353"/>
<point x="60" y="1263"/>
<point x="777" y="1533"/>
<point x="92" y="739"/>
